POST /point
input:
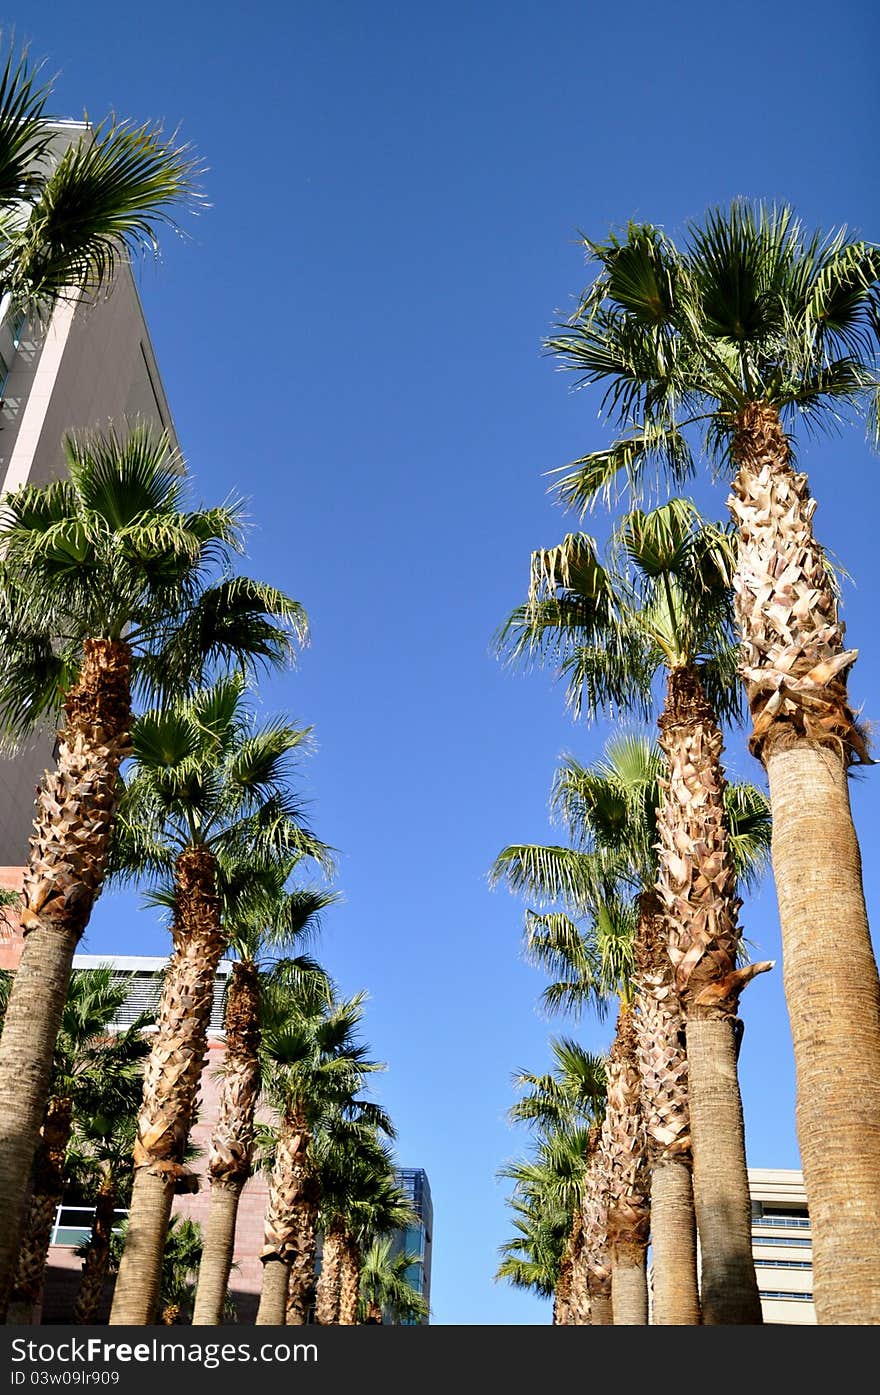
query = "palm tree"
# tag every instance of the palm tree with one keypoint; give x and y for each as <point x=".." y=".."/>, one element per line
<point x="386" y="1287"/>
<point x="614" y="631"/>
<point x="205" y="781"/>
<point x="314" y="1065"/>
<point x="593" y="965"/>
<point x="91" y="1063"/>
<point x="104" y="1141"/>
<point x="181" y="1256"/>
<point x="533" y="1258"/>
<point x="752" y="326"/>
<point x="68" y="223"/>
<point x="610" y="811"/>
<point x="104" y="582"/>
<point x="360" y="1200"/>
<point x="262" y="916"/>
<point x="562" y="1106"/>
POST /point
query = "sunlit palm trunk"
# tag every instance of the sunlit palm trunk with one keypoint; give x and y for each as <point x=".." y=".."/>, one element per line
<point x="171" y="1082"/>
<point x="697" y="884"/>
<point x="273" y="1293"/>
<point x="571" y="1302"/>
<point x="623" y="1143"/>
<point x="350" y="1282"/>
<point x="229" y="1164"/>
<point x="596" y="1259"/>
<point x="46" y="1197"/>
<point x="330" y="1279"/>
<point x="795" y="664"/>
<point x="97" y="1260"/>
<point x="289" y="1241"/>
<point x="67" y="858"/>
<point x="663" y="1069"/>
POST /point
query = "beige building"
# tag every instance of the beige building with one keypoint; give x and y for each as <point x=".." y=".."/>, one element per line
<point x="782" y="1245"/>
<point x="91" y="364"/>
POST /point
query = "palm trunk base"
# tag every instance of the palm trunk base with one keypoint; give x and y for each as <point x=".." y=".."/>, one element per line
<point x="273" y="1294"/>
<point x="216" y="1262"/>
<point x="675" y="1292"/>
<point x="136" y="1295"/>
<point x="629" y="1292"/>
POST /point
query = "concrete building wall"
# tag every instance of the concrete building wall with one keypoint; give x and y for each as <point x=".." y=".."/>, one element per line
<point x="91" y="365"/>
<point x="782" y="1245"/>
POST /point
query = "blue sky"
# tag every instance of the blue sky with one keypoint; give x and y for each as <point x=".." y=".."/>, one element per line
<point x="351" y="336"/>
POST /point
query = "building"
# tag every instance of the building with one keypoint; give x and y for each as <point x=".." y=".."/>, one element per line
<point x="88" y="365"/>
<point x="417" y="1239"/>
<point x="782" y="1245"/>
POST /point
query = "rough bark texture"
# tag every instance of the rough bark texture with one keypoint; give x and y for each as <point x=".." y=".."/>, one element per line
<point x="675" y="1286"/>
<point x="67" y="857"/>
<point x="46" y="1197"/>
<point x="292" y="1215"/>
<point x="577" y="1296"/>
<point x="624" y="1145"/>
<point x="232" y="1142"/>
<point x="698" y="887"/>
<point x="562" y="1291"/>
<point x="795" y="665"/>
<point x="831" y="991"/>
<point x="173" y="1070"/>
<point x="96" y="1262"/>
<point x="596" y="1258"/>
<point x="374" y="1314"/>
<point x="696" y="879"/>
<point x="728" y="1286"/>
<point x="330" y="1278"/>
<point x="151" y="1198"/>
<point x="217" y="1251"/>
<point x="629" y="1291"/>
<point x="664" y="1100"/>
<point x="350" y="1282"/>
<point x="273" y="1293"/>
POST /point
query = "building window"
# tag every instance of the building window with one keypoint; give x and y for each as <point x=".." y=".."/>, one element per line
<point x="777" y="1293"/>
<point x="4" y="374"/>
<point x="16" y="326"/>
<point x="781" y="1240"/>
<point x="784" y="1263"/>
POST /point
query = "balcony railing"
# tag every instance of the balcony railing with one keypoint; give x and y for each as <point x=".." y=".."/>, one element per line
<point x="798" y="1222"/>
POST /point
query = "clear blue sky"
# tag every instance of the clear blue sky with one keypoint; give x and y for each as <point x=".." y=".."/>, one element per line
<point x="352" y="337"/>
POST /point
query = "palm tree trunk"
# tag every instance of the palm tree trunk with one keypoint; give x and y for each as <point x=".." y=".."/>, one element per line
<point x="697" y="884"/>
<point x="562" y="1291"/>
<point x="329" y="1285"/>
<point x="273" y="1293"/>
<point x="216" y="1262"/>
<point x="624" y="1146"/>
<point x="46" y="1196"/>
<point x="67" y="857"/>
<point x="663" y="1069"/>
<point x="795" y="666"/>
<point x="578" y="1303"/>
<point x="134" y="1304"/>
<point x="596" y="1258"/>
<point x="629" y="1288"/>
<point x="601" y="1313"/>
<point x="291" y="1217"/>
<point x="721" y="1185"/>
<point x="171" y="1082"/>
<point x="675" y="1292"/>
<point x="374" y="1314"/>
<point x="232" y="1143"/>
<point x="97" y="1260"/>
<point x="350" y="1282"/>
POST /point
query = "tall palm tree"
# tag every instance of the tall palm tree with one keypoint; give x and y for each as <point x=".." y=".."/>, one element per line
<point x="263" y="917"/>
<point x="753" y="326"/>
<point x="560" y="1106"/>
<point x="314" y="1065"/>
<point x="662" y="609"/>
<point x="205" y="780"/>
<point x="386" y="1287"/>
<point x="360" y="1200"/>
<point x="592" y="959"/>
<point x="91" y="1062"/>
<point x="105" y="580"/>
<point x="610" y="810"/>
